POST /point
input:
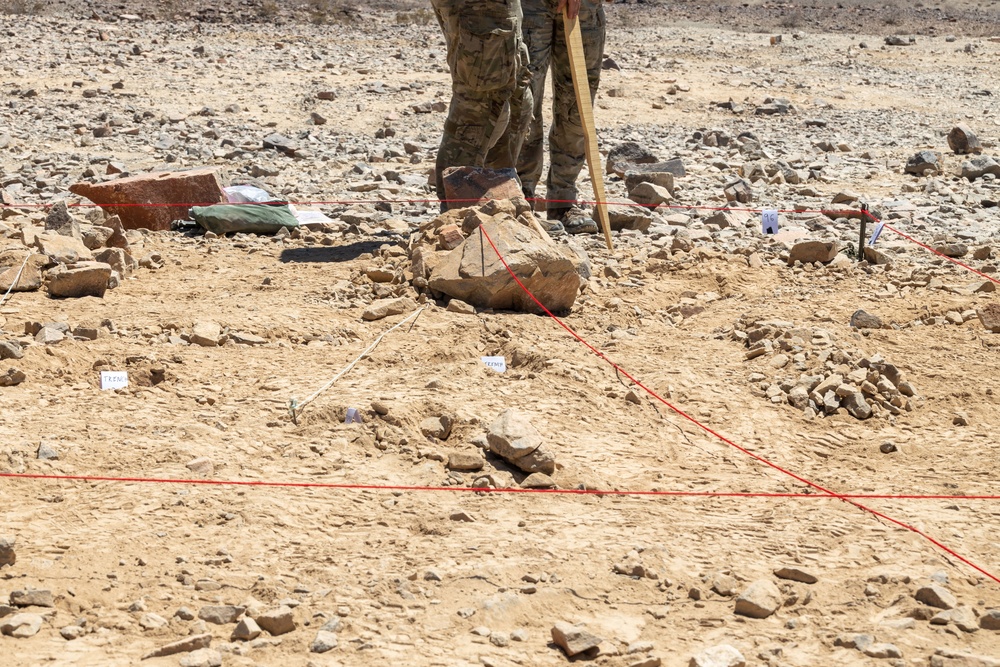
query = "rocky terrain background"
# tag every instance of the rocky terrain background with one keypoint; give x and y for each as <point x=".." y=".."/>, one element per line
<point x="758" y="337"/>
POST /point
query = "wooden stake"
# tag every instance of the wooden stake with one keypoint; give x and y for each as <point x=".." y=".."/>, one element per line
<point x="581" y="85"/>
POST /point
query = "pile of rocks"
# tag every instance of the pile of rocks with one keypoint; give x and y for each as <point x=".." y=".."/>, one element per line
<point x="72" y="257"/>
<point x="831" y="378"/>
<point x="451" y="258"/>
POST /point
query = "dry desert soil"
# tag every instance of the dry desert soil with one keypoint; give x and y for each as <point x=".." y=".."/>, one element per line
<point x="364" y="543"/>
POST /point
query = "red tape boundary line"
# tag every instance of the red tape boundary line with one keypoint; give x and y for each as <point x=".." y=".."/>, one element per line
<point x="722" y="438"/>
<point x="346" y="202"/>
<point x="470" y="489"/>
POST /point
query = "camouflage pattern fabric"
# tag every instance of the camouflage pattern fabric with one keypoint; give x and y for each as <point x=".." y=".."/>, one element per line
<point x="546" y="42"/>
<point x="490" y="90"/>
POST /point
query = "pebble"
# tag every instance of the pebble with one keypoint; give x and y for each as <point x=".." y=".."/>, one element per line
<point x="722" y="655"/>
<point x="574" y="640"/>
<point x="325" y="641"/>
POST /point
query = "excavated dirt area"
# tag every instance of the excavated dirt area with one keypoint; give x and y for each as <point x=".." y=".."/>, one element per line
<point x="452" y="577"/>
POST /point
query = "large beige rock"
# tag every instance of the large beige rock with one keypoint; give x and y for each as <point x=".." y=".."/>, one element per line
<point x="277" y="621"/>
<point x="944" y="657"/>
<point x="474" y="273"/>
<point x="761" y="599"/>
<point x="513" y="438"/>
<point x="80" y="279"/>
<point x="813" y="251"/>
<point x="62" y="249"/>
<point x="174" y="192"/>
<point x="649" y="194"/>
<point x="388" y="307"/>
<point x="30" y="278"/>
<point x="21" y="625"/>
<point x="574" y="640"/>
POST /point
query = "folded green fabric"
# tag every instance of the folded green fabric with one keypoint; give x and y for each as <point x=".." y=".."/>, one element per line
<point x="249" y="218"/>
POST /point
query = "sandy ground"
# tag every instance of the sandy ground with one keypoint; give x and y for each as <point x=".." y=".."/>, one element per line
<point x="396" y="567"/>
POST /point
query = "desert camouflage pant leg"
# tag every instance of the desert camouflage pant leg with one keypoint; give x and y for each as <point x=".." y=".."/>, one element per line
<point x="543" y="34"/>
<point x="490" y="93"/>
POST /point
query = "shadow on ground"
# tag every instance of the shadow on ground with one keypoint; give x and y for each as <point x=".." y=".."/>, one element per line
<point x="322" y="254"/>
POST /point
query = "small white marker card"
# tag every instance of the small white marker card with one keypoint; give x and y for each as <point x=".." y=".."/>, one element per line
<point x="499" y="364"/>
<point x="769" y="221"/>
<point x="353" y="416"/>
<point x="114" y="379"/>
<point x="876" y="233"/>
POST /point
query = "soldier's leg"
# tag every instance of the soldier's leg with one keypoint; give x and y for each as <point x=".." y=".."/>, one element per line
<point x="538" y="29"/>
<point x="566" y="137"/>
<point x="482" y="39"/>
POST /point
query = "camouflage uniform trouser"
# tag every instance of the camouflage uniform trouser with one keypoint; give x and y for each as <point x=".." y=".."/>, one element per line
<point x="543" y="33"/>
<point x="490" y="89"/>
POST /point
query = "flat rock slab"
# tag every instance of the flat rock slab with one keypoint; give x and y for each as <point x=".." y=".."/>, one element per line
<point x="82" y="279"/>
<point x="180" y="188"/>
<point x="186" y="645"/>
<point x="475" y="274"/>
<point x="277" y="621"/>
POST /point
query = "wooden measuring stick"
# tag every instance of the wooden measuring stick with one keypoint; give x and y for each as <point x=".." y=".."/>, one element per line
<point x="581" y="85"/>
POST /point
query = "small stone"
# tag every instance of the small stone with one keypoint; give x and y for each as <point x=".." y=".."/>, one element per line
<point x="186" y="645"/>
<point x="461" y="307"/>
<point x="12" y="377"/>
<point x="883" y="651"/>
<point x="220" y="614"/>
<point x="277" y="621"/>
<point x="953" y="249"/>
<point x="71" y="632"/>
<point x="466" y="461"/>
<point x="860" y="642"/>
<point x="202" y="466"/>
<point x="761" y="599"/>
<point x="21" y="626"/>
<point x="47" y="451"/>
<point x="962" y="617"/>
<point x="722" y="655"/>
<point x="500" y="639"/>
<point x="962" y="140"/>
<point x="923" y="163"/>
<point x="32" y="598"/>
<point x="436" y="427"/>
<point x="538" y="480"/>
<point x="795" y="574"/>
<point x="864" y="320"/>
<point x="184" y="614"/>
<point x="7" y="553"/>
<point x="990" y="620"/>
<point x="936" y="596"/>
<point x="246" y="630"/>
<point x="960" y="419"/>
<point x="83" y="279"/>
<point x="206" y="334"/>
<point x="205" y="657"/>
<point x="519" y="635"/>
<point x="388" y="307"/>
<point x="152" y="622"/>
<point x="888" y="447"/>
<point x="813" y="251"/>
<point x="325" y="641"/>
<point x="573" y="640"/>
<point x="989" y="315"/>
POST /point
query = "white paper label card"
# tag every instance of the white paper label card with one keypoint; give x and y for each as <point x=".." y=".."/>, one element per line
<point x="499" y="364"/>
<point x="769" y="221"/>
<point x="876" y="233"/>
<point x="353" y="416"/>
<point x="114" y="379"/>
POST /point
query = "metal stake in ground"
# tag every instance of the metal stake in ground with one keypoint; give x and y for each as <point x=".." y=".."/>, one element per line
<point x="574" y="43"/>
<point x="864" y="227"/>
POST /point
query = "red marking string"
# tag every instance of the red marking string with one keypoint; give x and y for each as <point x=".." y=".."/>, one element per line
<point x="724" y="439"/>
<point x="470" y="489"/>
